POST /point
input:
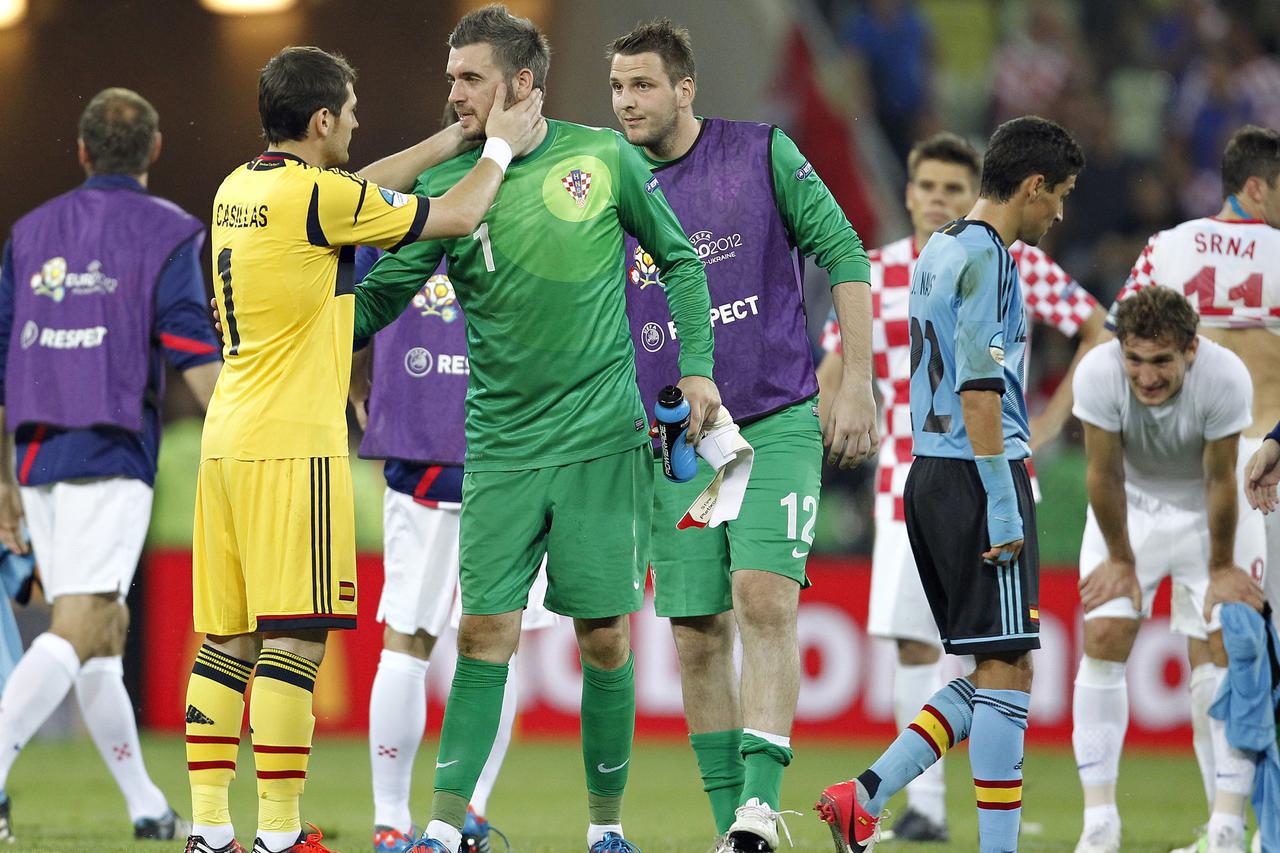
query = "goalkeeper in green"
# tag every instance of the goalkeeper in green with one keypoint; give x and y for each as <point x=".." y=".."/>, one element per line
<point x="558" y="459"/>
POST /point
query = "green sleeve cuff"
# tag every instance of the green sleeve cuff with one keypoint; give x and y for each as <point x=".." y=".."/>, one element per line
<point x="696" y="365"/>
<point x="855" y="270"/>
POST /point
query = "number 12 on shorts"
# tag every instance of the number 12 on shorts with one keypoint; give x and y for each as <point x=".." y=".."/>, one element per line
<point x="795" y="505"/>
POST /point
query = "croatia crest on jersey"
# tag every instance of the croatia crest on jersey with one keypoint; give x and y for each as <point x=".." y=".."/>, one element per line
<point x="437" y="299"/>
<point x="644" y="271"/>
<point x="577" y="183"/>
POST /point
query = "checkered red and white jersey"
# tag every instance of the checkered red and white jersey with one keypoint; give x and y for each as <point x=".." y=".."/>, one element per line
<point x="1226" y="269"/>
<point x="1051" y="296"/>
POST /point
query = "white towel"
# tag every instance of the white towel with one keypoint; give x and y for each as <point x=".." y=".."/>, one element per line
<point x="724" y="449"/>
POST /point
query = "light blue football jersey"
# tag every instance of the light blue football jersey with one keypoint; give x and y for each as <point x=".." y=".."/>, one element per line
<point x="968" y="332"/>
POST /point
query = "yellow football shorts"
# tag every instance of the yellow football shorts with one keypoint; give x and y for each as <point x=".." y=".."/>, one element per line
<point x="274" y="546"/>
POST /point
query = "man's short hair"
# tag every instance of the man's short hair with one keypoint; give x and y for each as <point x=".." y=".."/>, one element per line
<point x="517" y="43"/>
<point x="1027" y="146"/>
<point x="946" y="147"/>
<point x="1157" y="314"/>
<point x="297" y="82"/>
<point x="663" y="37"/>
<point x="1252" y="152"/>
<point x="118" y="128"/>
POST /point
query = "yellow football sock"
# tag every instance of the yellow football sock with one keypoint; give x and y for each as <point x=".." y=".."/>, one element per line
<point x="281" y="724"/>
<point x="215" y="710"/>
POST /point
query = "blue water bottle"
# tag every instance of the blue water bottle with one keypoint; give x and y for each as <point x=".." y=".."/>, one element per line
<point x="679" y="460"/>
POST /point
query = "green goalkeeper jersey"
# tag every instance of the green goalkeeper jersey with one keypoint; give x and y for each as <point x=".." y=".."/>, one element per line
<point x="541" y="284"/>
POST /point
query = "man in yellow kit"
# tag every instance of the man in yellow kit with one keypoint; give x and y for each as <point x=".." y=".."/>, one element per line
<point x="274" y="550"/>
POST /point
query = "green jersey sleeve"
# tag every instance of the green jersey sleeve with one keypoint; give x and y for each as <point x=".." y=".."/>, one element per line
<point x="645" y="214"/>
<point x="816" y="223"/>
<point x="390" y="285"/>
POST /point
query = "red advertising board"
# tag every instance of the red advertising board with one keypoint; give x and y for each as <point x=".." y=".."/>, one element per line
<point x="846" y="689"/>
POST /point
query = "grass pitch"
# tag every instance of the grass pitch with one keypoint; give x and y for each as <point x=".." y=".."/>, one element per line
<point x="64" y="799"/>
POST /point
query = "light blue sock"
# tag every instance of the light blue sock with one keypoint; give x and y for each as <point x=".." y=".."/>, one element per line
<point x="941" y="724"/>
<point x="995" y="755"/>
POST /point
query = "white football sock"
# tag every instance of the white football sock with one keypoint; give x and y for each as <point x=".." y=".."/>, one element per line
<point x="1205" y="679"/>
<point x="34" y="690"/>
<point x="595" y="832"/>
<point x="216" y="836"/>
<point x="397" y="718"/>
<point x="277" y="842"/>
<point x="108" y="714"/>
<point x="448" y="835"/>
<point x="913" y="685"/>
<point x="1234" y="776"/>
<point x="1100" y="711"/>
<point x="493" y="765"/>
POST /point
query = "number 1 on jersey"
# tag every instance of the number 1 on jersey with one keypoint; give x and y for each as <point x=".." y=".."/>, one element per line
<point x="482" y="234"/>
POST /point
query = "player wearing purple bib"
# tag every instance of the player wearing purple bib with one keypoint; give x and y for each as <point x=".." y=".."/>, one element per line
<point x="99" y="288"/>
<point x="752" y="206"/>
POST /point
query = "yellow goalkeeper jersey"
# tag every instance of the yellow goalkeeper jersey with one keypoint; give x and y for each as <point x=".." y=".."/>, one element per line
<point x="283" y="240"/>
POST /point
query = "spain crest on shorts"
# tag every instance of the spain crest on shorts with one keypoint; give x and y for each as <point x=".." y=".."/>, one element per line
<point x="577" y="183"/>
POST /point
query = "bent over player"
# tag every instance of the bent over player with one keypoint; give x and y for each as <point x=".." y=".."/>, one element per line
<point x="558" y="461"/>
<point x="753" y="206"/>
<point x="1162" y="411"/>
<point x="274" y="550"/>
<point x="943" y="172"/>
<point x="969" y="510"/>
<point x="100" y="287"/>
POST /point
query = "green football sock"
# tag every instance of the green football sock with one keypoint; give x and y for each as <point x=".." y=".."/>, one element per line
<point x="467" y="734"/>
<point x="608" y="724"/>
<point x="765" y="762"/>
<point x="720" y="762"/>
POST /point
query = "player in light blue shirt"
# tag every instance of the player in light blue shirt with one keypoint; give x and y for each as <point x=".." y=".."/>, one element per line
<point x="969" y="331"/>
<point x="968" y="491"/>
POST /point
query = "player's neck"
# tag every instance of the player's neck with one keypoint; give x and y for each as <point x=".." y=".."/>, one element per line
<point x="688" y="126"/>
<point x="1000" y="216"/>
<point x="308" y="151"/>
<point x="1239" y="209"/>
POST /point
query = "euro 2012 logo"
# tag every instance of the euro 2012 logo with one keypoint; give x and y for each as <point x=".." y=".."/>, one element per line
<point x="437" y="299"/>
<point x="644" y="271"/>
<point x="49" y="281"/>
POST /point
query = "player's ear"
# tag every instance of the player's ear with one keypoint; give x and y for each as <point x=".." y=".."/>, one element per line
<point x="521" y="86"/>
<point x="1033" y="185"/>
<point x="156" y="144"/>
<point x="321" y="122"/>
<point x="686" y="90"/>
<point x="82" y="154"/>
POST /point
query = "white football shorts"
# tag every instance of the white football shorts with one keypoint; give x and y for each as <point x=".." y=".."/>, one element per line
<point x="420" y="590"/>
<point x="87" y="535"/>
<point x="898" y="608"/>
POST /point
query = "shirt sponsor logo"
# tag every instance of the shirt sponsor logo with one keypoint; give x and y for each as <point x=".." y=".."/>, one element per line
<point x="651" y="337"/>
<point x="86" y="338"/>
<point x="577" y="183"/>
<point x="651" y="185"/>
<point x="419" y="362"/>
<point x="804" y="171"/>
<point x="644" y="272"/>
<point x="437" y="299"/>
<point x="712" y="249"/>
<point x="55" y="282"/>
<point x="393" y="198"/>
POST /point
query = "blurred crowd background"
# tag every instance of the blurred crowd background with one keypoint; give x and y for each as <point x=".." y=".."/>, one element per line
<point x="1151" y="88"/>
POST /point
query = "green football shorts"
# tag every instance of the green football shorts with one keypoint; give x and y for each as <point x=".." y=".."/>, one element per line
<point x="773" y="531"/>
<point x="591" y="519"/>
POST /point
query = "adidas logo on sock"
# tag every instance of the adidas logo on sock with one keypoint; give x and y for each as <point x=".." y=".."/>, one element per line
<point x="196" y="717"/>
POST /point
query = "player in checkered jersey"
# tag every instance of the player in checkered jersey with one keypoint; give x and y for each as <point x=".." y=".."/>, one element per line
<point x="1226" y="267"/>
<point x="942" y="185"/>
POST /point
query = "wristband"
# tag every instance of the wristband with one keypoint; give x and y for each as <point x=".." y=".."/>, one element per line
<point x="1274" y="435"/>
<point x="498" y="151"/>
<point x="1004" y="521"/>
